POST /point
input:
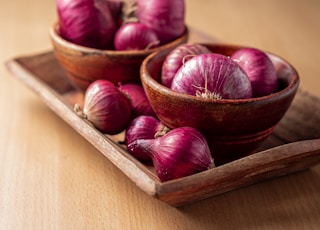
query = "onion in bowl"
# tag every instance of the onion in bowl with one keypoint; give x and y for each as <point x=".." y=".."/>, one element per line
<point x="260" y="70"/>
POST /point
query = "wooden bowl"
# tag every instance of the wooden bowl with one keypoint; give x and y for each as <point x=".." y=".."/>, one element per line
<point x="84" y="65"/>
<point x="233" y="128"/>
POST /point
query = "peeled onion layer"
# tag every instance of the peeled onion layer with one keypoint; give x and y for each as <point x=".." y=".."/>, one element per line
<point x="212" y="76"/>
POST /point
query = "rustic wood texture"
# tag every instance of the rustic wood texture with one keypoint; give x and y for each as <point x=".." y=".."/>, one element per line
<point x="53" y="178"/>
<point x="51" y="86"/>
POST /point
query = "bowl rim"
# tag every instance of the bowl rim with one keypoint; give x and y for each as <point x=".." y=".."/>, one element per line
<point x="150" y="81"/>
<point x="54" y="34"/>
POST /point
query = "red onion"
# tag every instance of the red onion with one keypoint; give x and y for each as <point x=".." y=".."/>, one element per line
<point x="139" y="101"/>
<point x="106" y="107"/>
<point x="212" y="76"/>
<point x="135" y="36"/>
<point x="115" y="7"/>
<point x="177" y="57"/>
<point x="143" y="127"/>
<point x="88" y="23"/>
<point x="260" y="70"/>
<point x="282" y="68"/>
<point x="165" y="17"/>
<point x="181" y="152"/>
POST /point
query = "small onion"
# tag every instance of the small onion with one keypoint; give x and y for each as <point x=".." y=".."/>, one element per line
<point x="165" y="17"/>
<point x="176" y="58"/>
<point x="106" y="107"/>
<point x="212" y="76"/>
<point x="282" y="68"/>
<point x="181" y="152"/>
<point x="139" y="101"/>
<point x="90" y="23"/>
<point x="143" y="127"/>
<point x="135" y="36"/>
<point x="260" y="70"/>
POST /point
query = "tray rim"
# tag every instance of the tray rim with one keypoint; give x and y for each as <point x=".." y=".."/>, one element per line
<point x="167" y="191"/>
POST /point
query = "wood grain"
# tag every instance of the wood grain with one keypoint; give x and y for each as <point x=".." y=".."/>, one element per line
<point x="292" y="155"/>
<point x="53" y="178"/>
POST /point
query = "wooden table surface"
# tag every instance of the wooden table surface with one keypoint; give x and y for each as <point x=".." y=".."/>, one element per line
<point x="52" y="178"/>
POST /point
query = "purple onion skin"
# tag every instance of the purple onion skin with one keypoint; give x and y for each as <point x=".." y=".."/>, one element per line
<point x="135" y="36"/>
<point x="165" y="17"/>
<point x="176" y="58"/>
<point x="181" y="152"/>
<point x="115" y="7"/>
<point x="260" y="70"/>
<point x="88" y="23"/>
<point x="212" y="76"/>
<point x="106" y="107"/>
<point x="143" y="127"/>
<point x="139" y="101"/>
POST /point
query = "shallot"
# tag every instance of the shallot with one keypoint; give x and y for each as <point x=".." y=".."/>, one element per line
<point x="90" y="23"/>
<point x="165" y="17"/>
<point x="106" y="107"/>
<point x="139" y="101"/>
<point x="181" y="152"/>
<point x="143" y="127"/>
<point x="260" y="70"/>
<point x="212" y="76"/>
<point x="177" y="57"/>
<point x="135" y="36"/>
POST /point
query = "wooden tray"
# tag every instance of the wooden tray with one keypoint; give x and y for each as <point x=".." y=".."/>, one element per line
<point x="294" y="145"/>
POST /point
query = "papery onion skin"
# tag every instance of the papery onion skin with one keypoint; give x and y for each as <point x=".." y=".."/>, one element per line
<point x="143" y="127"/>
<point x="165" y="17"/>
<point x="181" y="152"/>
<point x="139" y="101"/>
<point x="260" y="70"/>
<point x="88" y="23"/>
<point x="212" y="76"/>
<point x="106" y="107"/>
<point x="135" y="36"/>
<point x="177" y="57"/>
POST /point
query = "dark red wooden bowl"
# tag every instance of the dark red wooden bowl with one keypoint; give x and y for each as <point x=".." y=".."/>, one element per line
<point x="233" y="128"/>
<point x="84" y="65"/>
